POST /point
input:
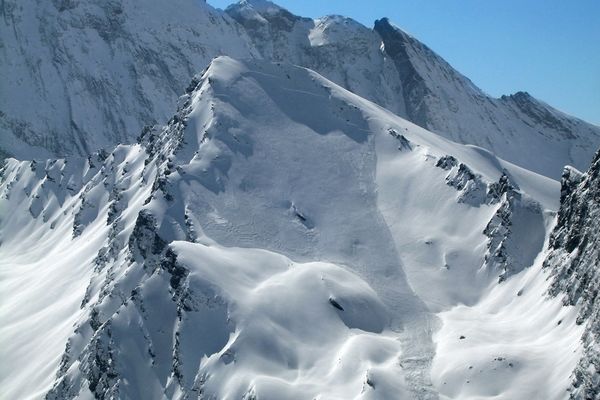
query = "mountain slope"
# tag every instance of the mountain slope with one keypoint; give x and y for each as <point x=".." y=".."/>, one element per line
<point x="280" y="237"/>
<point x="86" y="75"/>
<point x="83" y="75"/>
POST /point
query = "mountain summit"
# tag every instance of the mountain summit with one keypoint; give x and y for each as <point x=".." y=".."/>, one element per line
<point x="281" y="236"/>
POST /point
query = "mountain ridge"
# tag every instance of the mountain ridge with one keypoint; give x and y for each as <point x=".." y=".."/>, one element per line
<point x="109" y="81"/>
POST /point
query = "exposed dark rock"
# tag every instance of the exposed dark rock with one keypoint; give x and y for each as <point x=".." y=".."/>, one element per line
<point x="403" y="142"/>
<point x="397" y="44"/>
<point x="144" y="238"/>
<point x="470" y="186"/>
<point x="517" y="221"/>
<point x="574" y="260"/>
<point x="334" y="303"/>
<point x="446" y="162"/>
<point x="504" y="185"/>
<point x="178" y="273"/>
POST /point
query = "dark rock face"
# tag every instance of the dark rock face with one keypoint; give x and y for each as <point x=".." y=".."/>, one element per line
<point x="470" y="186"/>
<point x="515" y="232"/>
<point x="403" y="142"/>
<point x="575" y="262"/>
<point x="415" y="90"/>
<point x="144" y="237"/>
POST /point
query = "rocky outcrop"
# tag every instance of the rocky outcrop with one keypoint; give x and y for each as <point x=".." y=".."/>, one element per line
<point x="574" y="261"/>
<point x="516" y="231"/>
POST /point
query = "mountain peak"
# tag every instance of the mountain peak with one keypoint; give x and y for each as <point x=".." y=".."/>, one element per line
<point x="520" y="96"/>
<point x="384" y="22"/>
<point x="385" y="25"/>
<point x="264" y="8"/>
<point x="260" y="14"/>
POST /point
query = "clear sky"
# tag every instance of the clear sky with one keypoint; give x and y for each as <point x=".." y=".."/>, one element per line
<point x="549" y="48"/>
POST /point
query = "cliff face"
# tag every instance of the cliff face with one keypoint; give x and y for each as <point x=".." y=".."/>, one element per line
<point x="575" y="262"/>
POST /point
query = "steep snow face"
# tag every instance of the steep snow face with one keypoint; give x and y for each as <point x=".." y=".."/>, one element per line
<point x="82" y="75"/>
<point x="60" y="225"/>
<point x="280" y="238"/>
<point x="574" y="260"/>
<point x="440" y="99"/>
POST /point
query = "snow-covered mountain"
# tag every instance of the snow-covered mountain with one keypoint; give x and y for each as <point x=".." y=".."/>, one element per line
<point x="440" y="99"/>
<point x="283" y="238"/>
<point x="89" y="74"/>
<point x="327" y="211"/>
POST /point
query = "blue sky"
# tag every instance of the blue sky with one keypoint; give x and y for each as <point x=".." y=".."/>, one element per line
<point x="550" y="48"/>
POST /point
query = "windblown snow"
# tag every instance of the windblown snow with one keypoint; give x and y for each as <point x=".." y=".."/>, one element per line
<point x="280" y="238"/>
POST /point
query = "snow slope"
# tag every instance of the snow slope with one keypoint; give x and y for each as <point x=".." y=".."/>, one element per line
<point x="45" y="266"/>
<point x="84" y="75"/>
<point x="280" y="238"/>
